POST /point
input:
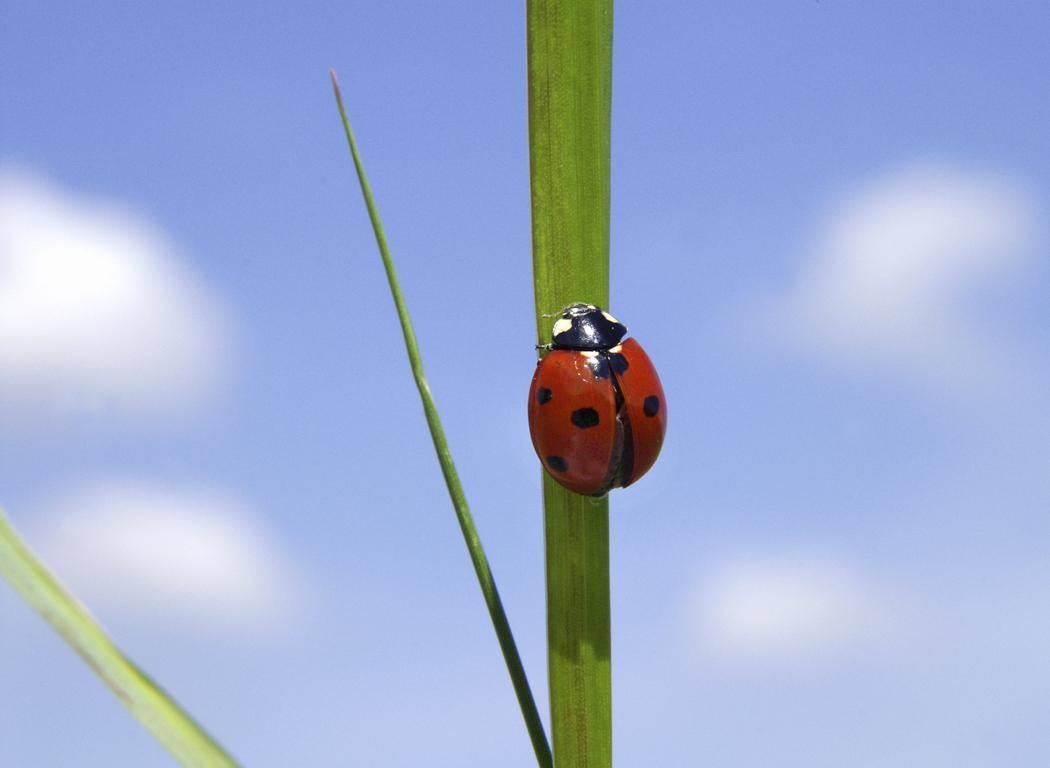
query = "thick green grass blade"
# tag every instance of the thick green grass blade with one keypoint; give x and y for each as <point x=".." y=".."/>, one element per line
<point x="570" y="90"/>
<point x="455" y="489"/>
<point x="147" y="701"/>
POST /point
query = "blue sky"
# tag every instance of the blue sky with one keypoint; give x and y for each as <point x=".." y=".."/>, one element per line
<point x="828" y="230"/>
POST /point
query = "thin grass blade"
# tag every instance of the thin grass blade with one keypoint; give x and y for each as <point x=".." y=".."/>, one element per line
<point x="455" y="490"/>
<point x="171" y="725"/>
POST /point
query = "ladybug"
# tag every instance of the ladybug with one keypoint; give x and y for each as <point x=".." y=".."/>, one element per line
<point x="596" y="408"/>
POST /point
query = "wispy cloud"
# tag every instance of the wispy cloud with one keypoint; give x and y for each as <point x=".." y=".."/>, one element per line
<point x="96" y="309"/>
<point x="900" y="273"/>
<point x="788" y="608"/>
<point x="170" y="554"/>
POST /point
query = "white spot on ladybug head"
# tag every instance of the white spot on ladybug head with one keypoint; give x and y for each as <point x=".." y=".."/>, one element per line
<point x="617" y="349"/>
<point x="609" y="317"/>
<point x="561" y="326"/>
<point x="589" y="353"/>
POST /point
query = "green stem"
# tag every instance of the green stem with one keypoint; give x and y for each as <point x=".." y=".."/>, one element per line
<point x="570" y="89"/>
<point x="171" y="725"/>
<point x="448" y="469"/>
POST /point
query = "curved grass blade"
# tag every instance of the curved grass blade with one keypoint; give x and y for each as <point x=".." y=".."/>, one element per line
<point x="171" y="725"/>
<point x="570" y="97"/>
<point x="448" y="469"/>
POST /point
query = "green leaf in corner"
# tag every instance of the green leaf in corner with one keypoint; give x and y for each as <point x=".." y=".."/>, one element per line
<point x="171" y="725"/>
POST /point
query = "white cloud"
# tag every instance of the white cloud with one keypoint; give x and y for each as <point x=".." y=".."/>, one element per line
<point x="171" y="555"/>
<point x="894" y="280"/>
<point x="787" y="609"/>
<point x="95" y="308"/>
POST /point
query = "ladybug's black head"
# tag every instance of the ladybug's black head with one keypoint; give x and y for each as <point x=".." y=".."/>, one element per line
<point x="587" y="327"/>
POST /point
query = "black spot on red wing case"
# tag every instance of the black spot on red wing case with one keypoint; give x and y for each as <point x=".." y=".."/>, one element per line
<point x="599" y="365"/>
<point x="543" y="396"/>
<point x="585" y="417"/>
<point x="557" y="463"/>
<point x="652" y="405"/>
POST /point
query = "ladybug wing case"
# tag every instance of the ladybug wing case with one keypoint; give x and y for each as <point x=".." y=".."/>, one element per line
<point x="572" y="415"/>
<point x="646" y="409"/>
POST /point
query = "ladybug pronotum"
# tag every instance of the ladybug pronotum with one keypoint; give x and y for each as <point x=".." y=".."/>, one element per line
<point x="597" y="413"/>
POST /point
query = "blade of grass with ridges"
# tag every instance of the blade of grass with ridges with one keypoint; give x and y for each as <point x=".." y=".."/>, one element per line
<point x="171" y="725"/>
<point x="570" y="97"/>
<point x="448" y="469"/>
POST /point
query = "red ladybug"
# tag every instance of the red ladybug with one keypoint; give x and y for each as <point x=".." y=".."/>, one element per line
<point x="596" y="408"/>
